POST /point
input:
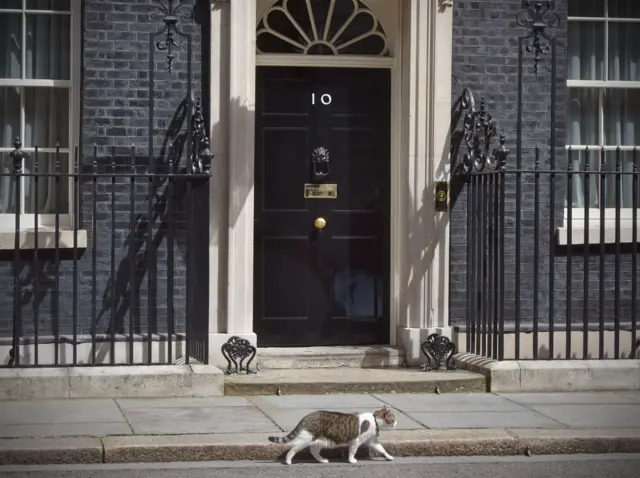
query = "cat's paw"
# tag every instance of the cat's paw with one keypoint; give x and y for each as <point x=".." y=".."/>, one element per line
<point x="389" y="458"/>
<point x="287" y="462"/>
<point x="353" y="461"/>
<point x="324" y="460"/>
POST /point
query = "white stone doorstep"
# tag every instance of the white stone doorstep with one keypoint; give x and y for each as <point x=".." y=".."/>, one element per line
<point x="113" y="382"/>
<point x="554" y="375"/>
<point x="254" y="446"/>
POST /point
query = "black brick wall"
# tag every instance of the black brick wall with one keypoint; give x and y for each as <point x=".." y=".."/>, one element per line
<point x="115" y="116"/>
<point x="485" y="59"/>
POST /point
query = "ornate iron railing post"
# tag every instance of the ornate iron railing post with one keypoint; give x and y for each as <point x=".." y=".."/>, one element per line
<point x="201" y="153"/>
<point x="482" y="168"/>
<point x="18" y="155"/>
<point x="479" y="131"/>
<point x="538" y="15"/>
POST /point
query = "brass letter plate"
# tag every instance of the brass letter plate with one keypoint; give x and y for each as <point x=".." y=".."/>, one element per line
<point x="321" y="191"/>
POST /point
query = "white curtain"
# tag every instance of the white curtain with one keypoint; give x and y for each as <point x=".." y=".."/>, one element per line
<point x="46" y="109"/>
<point x="621" y="107"/>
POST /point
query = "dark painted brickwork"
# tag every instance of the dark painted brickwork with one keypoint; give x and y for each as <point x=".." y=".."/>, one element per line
<point x="115" y="113"/>
<point x="485" y="59"/>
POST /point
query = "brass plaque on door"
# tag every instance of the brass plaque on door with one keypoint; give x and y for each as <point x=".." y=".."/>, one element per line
<point x="320" y="191"/>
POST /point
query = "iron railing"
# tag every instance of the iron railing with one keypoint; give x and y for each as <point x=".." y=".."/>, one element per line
<point x="553" y="285"/>
<point x="120" y="277"/>
<point x="548" y="240"/>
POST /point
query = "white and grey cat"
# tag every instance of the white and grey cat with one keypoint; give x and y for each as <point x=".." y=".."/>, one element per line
<point x="322" y="429"/>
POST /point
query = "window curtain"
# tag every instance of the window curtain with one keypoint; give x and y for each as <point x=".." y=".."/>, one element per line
<point x="10" y="39"/>
<point x="621" y="106"/>
<point x="46" y="109"/>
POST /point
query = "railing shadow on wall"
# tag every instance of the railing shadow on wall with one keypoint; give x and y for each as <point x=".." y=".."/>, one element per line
<point x="174" y="195"/>
<point x="142" y="213"/>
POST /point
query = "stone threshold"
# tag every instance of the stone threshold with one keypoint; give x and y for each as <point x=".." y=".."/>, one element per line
<point x="318" y="381"/>
<point x="374" y="356"/>
<point x="242" y="446"/>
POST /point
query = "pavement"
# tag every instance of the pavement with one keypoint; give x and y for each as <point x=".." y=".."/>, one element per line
<point x="236" y="428"/>
<point x="583" y="466"/>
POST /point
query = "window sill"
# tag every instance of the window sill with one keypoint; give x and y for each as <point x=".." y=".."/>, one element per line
<point x="593" y="234"/>
<point x="46" y="239"/>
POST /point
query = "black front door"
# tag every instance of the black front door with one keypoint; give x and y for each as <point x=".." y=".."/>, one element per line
<point x="322" y="128"/>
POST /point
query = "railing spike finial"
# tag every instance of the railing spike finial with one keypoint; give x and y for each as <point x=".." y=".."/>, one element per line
<point x="18" y="155"/>
<point x="501" y="153"/>
<point x="200" y="151"/>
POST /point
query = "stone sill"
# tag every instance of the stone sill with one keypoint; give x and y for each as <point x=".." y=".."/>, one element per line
<point x="593" y="234"/>
<point x="46" y="239"/>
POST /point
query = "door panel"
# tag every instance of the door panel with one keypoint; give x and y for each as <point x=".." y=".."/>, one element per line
<point x="289" y="145"/>
<point x="329" y="286"/>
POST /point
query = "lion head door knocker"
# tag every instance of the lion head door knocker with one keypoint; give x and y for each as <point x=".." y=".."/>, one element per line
<point x="320" y="159"/>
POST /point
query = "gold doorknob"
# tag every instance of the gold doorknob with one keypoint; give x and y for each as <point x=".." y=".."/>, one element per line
<point x="320" y="223"/>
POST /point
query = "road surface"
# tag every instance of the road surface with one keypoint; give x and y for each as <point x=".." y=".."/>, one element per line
<point x="578" y="466"/>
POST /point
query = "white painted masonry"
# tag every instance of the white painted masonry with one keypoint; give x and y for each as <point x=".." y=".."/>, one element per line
<point x="420" y="40"/>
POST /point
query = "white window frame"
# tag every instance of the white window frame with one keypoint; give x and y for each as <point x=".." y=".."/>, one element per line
<point x="577" y="213"/>
<point x="46" y="222"/>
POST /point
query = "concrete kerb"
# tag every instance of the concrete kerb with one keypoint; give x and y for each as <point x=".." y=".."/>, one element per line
<point x="473" y="442"/>
<point x="115" y="382"/>
<point x="554" y="375"/>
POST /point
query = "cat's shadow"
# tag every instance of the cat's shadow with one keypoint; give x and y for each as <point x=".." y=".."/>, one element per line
<point x="336" y="455"/>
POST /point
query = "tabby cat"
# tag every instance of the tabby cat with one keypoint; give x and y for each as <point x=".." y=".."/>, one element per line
<point x="322" y="429"/>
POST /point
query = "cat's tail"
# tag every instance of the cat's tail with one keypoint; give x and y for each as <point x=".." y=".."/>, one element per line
<point x="291" y="436"/>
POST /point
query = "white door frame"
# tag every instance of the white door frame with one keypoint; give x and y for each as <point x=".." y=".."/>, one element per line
<point x="420" y="114"/>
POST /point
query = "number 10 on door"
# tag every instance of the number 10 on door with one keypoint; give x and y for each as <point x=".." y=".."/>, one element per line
<point x="325" y="99"/>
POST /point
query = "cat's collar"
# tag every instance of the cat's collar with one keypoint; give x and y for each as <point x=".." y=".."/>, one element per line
<point x="375" y="420"/>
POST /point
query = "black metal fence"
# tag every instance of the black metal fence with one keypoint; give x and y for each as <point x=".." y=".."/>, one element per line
<point x="120" y="276"/>
<point x="551" y="251"/>
<point x="557" y="280"/>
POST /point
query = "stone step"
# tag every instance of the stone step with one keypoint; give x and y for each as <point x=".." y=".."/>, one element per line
<point x="321" y="381"/>
<point x="276" y="358"/>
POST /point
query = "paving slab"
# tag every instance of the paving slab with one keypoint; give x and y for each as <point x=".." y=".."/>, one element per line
<point x="526" y="419"/>
<point x="60" y="411"/>
<point x="287" y="419"/>
<point x="568" y="398"/>
<point x="181" y="420"/>
<point x="183" y="402"/>
<point x="593" y="416"/>
<point x="459" y="402"/>
<point x="357" y="402"/>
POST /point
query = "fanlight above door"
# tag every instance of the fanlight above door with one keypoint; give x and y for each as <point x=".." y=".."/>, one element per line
<point x="321" y="27"/>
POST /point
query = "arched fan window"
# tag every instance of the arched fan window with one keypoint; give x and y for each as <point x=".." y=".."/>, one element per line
<point x="321" y="27"/>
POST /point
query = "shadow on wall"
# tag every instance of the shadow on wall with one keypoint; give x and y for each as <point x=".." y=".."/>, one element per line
<point x="231" y="192"/>
<point x="167" y="206"/>
<point x="426" y="230"/>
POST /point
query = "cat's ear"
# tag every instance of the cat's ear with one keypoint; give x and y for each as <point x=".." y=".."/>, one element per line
<point x="384" y="408"/>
